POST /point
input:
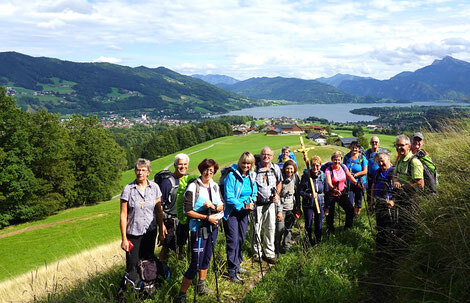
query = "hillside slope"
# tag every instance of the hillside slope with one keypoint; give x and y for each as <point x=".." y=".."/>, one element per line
<point x="70" y="87"/>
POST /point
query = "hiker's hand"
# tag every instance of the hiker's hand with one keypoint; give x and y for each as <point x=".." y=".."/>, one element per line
<point x="397" y="184"/>
<point x="209" y="204"/>
<point x="276" y="198"/>
<point x="390" y="204"/>
<point x="337" y="191"/>
<point x="213" y="219"/>
<point x="161" y="235"/>
<point x="327" y="211"/>
<point x="314" y="195"/>
<point x="250" y="206"/>
<point x="125" y="245"/>
<point x="279" y="217"/>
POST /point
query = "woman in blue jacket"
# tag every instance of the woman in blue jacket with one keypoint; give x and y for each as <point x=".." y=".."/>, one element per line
<point x="357" y="165"/>
<point x="239" y="194"/>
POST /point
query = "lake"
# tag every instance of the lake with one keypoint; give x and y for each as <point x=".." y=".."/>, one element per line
<point x="331" y="112"/>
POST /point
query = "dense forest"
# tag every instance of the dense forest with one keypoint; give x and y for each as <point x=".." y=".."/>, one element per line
<point x="46" y="166"/>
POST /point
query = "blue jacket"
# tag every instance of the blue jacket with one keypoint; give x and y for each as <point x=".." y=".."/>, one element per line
<point x="233" y="187"/>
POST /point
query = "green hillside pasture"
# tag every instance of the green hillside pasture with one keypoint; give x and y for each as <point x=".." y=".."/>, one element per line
<point x="227" y="150"/>
<point x="28" y="246"/>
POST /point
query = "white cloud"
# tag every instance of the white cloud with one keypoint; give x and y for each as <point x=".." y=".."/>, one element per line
<point x="307" y="38"/>
<point x="107" y="59"/>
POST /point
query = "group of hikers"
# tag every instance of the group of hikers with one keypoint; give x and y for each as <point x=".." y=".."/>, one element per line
<point x="269" y="197"/>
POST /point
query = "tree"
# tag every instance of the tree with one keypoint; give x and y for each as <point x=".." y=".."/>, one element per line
<point x="364" y="142"/>
<point x="328" y="129"/>
<point x="357" y="131"/>
<point x="98" y="160"/>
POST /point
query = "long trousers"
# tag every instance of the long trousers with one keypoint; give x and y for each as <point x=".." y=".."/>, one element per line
<point x="266" y="218"/>
<point x="235" y="231"/>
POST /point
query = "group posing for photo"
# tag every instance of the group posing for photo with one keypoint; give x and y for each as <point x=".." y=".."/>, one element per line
<point x="268" y="198"/>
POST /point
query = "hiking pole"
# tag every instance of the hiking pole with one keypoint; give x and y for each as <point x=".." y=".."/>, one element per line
<point x="367" y="206"/>
<point x="198" y="269"/>
<point x="258" y="244"/>
<point x="214" y="263"/>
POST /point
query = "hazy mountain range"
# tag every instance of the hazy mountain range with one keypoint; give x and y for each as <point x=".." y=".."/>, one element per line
<point x="216" y="79"/>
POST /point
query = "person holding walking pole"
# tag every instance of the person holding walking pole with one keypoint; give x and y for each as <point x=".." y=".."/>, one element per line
<point x="204" y="207"/>
<point x="240" y="191"/>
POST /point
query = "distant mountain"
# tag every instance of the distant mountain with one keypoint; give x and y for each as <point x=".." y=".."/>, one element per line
<point x="216" y="79"/>
<point x="292" y="89"/>
<point x="446" y="79"/>
<point x="337" y="79"/>
<point x="69" y="87"/>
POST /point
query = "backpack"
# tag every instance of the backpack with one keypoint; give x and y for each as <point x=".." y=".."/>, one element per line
<point x="361" y="155"/>
<point x="152" y="273"/>
<point x="429" y="171"/>
<point x="223" y="173"/>
<point x="184" y="183"/>
<point x="369" y="152"/>
<point x="170" y="206"/>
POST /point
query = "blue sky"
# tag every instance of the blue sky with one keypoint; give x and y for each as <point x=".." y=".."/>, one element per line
<point x="304" y="38"/>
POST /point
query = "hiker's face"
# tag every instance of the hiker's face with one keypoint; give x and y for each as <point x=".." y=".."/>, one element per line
<point x="289" y="171"/>
<point x="207" y="174"/>
<point x="285" y="154"/>
<point x="141" y="173"/>
<point x="383" y="163"/>
<point x="374" y="143"/>
<point x="336" y="161"/>
<point x="245" y="167"/>
<point x="266" y="156"/>
<point x="316" y="168"/>
<point x="416" y="144"/>
<point x="355" y="149"/>
<point x="181" y="167"/>
<point x="402" y="147"/>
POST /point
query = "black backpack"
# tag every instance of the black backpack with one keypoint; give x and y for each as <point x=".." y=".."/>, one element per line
<point x="223" y="173"/>
<point x="170" y="206"/>
<point x="152" y="274"/>
<point x="430" y="176"/>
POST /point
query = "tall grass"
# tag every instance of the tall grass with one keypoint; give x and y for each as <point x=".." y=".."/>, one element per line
<point x="61" y="276"/>
<point x="437" y="268"/>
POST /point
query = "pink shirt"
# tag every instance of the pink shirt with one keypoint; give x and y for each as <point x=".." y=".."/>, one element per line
<point x="339" y="178"/>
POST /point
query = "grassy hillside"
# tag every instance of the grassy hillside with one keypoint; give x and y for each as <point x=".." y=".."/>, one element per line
<point x="70" y="87"/>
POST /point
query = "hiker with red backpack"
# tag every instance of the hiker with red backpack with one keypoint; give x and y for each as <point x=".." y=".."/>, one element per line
<point x="177" y="233"/>
<point x="140" y="214"/>
<point x="204" y="207"/>
<point x="240" y="192"/>
<point x="336" y="175"/>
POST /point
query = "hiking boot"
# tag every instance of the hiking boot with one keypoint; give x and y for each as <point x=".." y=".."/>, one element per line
<point x="241" y="270"/>
<point x="202" y="288"/>
<point x="269" y="260"/>
<point x="236" y="279"/>
<point x="181" y="298"/>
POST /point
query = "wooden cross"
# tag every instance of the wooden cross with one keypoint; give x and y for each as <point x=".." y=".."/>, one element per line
<point x="304" y="150"/>
<point x="141" y="204"/>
